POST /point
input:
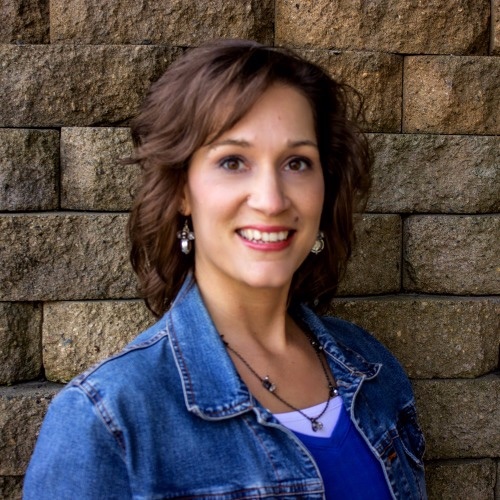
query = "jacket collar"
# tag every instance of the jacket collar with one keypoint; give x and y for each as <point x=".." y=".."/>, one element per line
<point x="211" y="385"/>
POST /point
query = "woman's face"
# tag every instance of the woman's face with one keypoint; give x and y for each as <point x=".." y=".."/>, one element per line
<point x="255" y="195"/>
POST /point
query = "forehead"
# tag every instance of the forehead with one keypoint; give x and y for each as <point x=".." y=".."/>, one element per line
<point x="279" y="108"/>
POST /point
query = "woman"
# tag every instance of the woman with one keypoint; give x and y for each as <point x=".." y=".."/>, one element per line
<point x="252" y="171"/>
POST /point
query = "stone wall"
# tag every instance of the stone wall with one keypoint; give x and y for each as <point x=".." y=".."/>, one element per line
<point x="424" y="277"/>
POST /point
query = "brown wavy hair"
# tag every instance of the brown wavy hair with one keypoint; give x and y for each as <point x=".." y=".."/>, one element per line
<point x="202" y="95"/>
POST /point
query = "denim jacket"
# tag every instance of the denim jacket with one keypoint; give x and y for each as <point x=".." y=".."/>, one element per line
<point x="169" y="417"/>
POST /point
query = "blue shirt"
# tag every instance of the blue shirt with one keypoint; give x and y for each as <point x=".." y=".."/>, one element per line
<point x="347" y="465"/>
<point x="169" y="417"/>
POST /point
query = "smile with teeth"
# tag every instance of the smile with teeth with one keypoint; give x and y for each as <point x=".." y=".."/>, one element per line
<point x="256" y="236"/>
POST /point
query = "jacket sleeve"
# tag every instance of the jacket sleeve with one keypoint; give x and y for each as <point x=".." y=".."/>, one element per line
<point x="76" y="455"/>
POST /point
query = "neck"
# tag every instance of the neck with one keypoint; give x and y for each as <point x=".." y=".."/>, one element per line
<point x="255" y="314"/>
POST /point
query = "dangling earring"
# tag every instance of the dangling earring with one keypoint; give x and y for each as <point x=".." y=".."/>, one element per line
<point x="186" y="236"/>
<point x="319" y="244"/>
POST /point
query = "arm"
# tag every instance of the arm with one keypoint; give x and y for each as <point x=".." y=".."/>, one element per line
<point x="76" y="456"/>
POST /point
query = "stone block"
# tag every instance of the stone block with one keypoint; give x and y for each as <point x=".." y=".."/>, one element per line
<point x="467" y="479"/>
<point x="445" y="337"/>
<point x="64" y="257"/>
<point x="22" y="409"/>
<point x="376" y="76"/>
<point x="374" y="266"/>
<point x="402" y="26"/>
<point x="91" y="176"/>
<point x="25" y="21"/>
<point x="77" y="335"/>
<point x="460" y="418"/>
<point x="435" y="173"/>
<point x="20" y="342"/>
<point x="176" y="22"/>
<point x="11" y="487"/>
<point x="456" y="254"/>
<point x="76" y="85"/>
<point x="451" y="95"/>
<point x="29" y="169"/>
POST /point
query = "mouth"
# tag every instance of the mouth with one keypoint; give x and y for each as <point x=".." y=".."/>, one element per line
<point x="258" y="236"/>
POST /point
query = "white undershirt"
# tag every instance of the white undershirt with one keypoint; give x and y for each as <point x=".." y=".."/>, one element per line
<point x="298" y="423"/>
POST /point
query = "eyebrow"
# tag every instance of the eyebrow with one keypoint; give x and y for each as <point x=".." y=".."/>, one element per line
<point x="245" y="144"/>
<point x="305" y="142"/>
<point x="230" y="142"/>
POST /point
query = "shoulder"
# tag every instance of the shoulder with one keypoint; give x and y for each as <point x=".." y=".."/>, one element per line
<point x="121" y="392"/>
<point x="138" y="366"/>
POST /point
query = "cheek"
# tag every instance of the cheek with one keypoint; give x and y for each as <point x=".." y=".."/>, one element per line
<point x="208" y="212"/>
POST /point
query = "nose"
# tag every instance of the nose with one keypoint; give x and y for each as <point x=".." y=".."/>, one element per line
<point x="268" y="192"/>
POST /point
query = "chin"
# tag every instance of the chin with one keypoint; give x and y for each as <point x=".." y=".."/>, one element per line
<point x="269" y="280"/>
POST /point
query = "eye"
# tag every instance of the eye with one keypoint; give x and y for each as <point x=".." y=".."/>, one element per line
<point x="232" y="163"/>
<point x="298" y="164"/>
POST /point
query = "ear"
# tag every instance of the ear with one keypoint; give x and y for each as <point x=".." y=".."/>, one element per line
<point x="185" y="201"/>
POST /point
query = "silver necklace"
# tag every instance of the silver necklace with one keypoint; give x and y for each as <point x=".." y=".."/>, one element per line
<point x="266" y="382"/>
